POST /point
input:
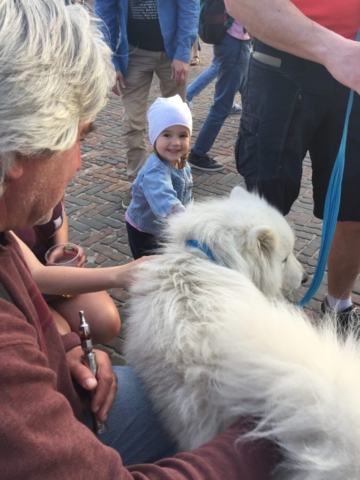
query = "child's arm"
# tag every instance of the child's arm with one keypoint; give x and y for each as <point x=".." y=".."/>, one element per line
<point x="160" y="193"/>
<point x="72" y="280"/>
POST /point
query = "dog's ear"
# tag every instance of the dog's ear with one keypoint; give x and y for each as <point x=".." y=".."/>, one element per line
<point x="262" y="239"/>
<point x="239" y="193"/>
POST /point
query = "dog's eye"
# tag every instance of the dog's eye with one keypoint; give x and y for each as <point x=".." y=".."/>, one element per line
<point x="286" y="259"/>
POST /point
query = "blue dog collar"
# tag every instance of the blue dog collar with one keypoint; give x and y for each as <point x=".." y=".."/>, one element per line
<point x="202" y="247"/>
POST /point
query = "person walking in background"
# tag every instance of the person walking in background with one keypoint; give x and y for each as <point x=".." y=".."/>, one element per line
<point x="195" y="57"/>
<point x="202" y="81"/>
<point x="295" y="100"/>
<point x="147" y="37"/>
<point x="164" y="184"/>
<point x="232" y="56"/>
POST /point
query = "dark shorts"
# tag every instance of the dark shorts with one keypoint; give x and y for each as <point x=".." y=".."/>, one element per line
<point x="288" y="110"/>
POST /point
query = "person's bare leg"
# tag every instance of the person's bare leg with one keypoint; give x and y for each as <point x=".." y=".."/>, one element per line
<point x="195" y="48"/>
<point x="195" y="57"/>
<point x="100" y="313"/>
<point x="62" y="325"/>
<point x="344" y="259"/>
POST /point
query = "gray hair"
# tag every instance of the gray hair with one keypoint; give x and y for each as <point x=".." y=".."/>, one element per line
<point x="55" y="75"/>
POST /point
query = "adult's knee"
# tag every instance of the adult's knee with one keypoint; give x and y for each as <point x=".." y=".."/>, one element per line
<point x="110" y="322"/>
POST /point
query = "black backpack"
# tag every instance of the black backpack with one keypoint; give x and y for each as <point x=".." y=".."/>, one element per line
<point x="212" y="28"/>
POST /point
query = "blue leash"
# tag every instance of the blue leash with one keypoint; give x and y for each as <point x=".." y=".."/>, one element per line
<point x="332" y="205"/>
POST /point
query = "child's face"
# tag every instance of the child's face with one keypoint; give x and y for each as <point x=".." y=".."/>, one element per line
<point x="173" y="143"/>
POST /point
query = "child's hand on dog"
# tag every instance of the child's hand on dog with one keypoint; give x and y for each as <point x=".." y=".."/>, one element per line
<point x="127" y="272"/>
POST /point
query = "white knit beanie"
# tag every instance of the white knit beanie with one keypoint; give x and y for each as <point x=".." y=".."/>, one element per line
<point x="167" y="112"/>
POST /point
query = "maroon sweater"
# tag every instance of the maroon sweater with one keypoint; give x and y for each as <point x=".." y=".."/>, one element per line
<point x="41" y="436"/>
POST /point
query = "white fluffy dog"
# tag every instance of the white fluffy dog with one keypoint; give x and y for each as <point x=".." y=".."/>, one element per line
<point x="212" y="340"/>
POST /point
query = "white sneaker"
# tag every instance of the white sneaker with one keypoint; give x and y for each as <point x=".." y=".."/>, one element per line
<point x="126" y="200"/>
<point x="235" y="109"/>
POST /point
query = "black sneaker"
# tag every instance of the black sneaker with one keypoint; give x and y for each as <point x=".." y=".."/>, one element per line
<point x="348" y="319"/>
<point x="206" y="163"/>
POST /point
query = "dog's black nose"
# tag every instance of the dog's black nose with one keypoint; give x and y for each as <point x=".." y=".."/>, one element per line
<point x="305" y="278"/>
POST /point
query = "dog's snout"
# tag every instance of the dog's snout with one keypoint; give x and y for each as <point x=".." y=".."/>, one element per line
<point x="305" y="278"/>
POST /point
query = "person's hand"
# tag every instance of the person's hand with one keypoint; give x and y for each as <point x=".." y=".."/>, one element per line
<point x="127" y="272"/>
<point x="105" y="383"/>
<point x="119" y="83"/>
<point x="81" y="258"/>
<point x="344" y="63"/>
<point x="179" y="71"/>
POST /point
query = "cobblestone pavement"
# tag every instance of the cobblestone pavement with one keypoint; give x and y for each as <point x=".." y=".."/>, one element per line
<point x="93" y="198"/>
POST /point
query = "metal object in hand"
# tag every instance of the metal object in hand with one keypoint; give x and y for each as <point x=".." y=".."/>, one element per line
<point x="90" y="359"/>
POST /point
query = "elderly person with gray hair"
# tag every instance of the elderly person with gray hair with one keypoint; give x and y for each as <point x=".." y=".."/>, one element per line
<point x="55" y="75"/>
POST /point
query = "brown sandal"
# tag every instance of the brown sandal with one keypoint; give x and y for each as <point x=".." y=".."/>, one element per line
<point x="195" y="61"/>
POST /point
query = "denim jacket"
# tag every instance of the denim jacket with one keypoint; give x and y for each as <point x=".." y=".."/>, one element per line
<point x="178" y="22"/>
<point x="158" y="190"/>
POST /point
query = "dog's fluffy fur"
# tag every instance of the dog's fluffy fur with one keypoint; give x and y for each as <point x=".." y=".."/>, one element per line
<point x="213" y="342"/>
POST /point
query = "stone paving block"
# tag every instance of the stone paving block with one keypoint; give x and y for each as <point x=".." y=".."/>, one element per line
<point x="300" y="244"/>
<point x="109" y="197"/>
<point x="97" y="209"/>
<point x="120" y="232"/>
<point x="230" y="177"/>
<point x="99" y="258"/>
<point x="109" y="210"/>
<point x="198" y="179"/>
<point x="80" y="227"/>
<point x="297" y="208"/>
<point x="307" y="260"/>
<point x="109" y="221"/>
<point x="214" y="178"/>
<point x="356" y="297"/>
<point x="311" y="248"/>
<point x="109" y="240"/>
<point x="77" y="200"/>
<point x="119" y="215"/>
<point x="125" y="249"/>
<point x="207" y="190"/>
<point x="302" y="219"/>
<point x="93" y="200"/>
<point x="224" y="189"/>
<point x="305" y="235"/>
<point x="90" y="222"/>
<point x="110" y="263"/>
<point x="94" y="238"/>
<point x="308" y="229"/>
<point x="71" y="209"/>
<point x="73" y="188"/>
<point x="92" y="190"/>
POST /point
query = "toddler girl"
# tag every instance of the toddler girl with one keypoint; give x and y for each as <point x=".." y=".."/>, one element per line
<point x="164" y="184"/>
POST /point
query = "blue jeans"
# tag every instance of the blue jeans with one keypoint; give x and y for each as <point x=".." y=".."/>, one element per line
<point x="134" y="430"/>
<point x="232" y="56"/>
<point x="203" y="80"/>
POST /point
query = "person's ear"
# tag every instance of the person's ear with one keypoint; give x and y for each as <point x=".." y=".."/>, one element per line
<point x="15" y="171"/>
